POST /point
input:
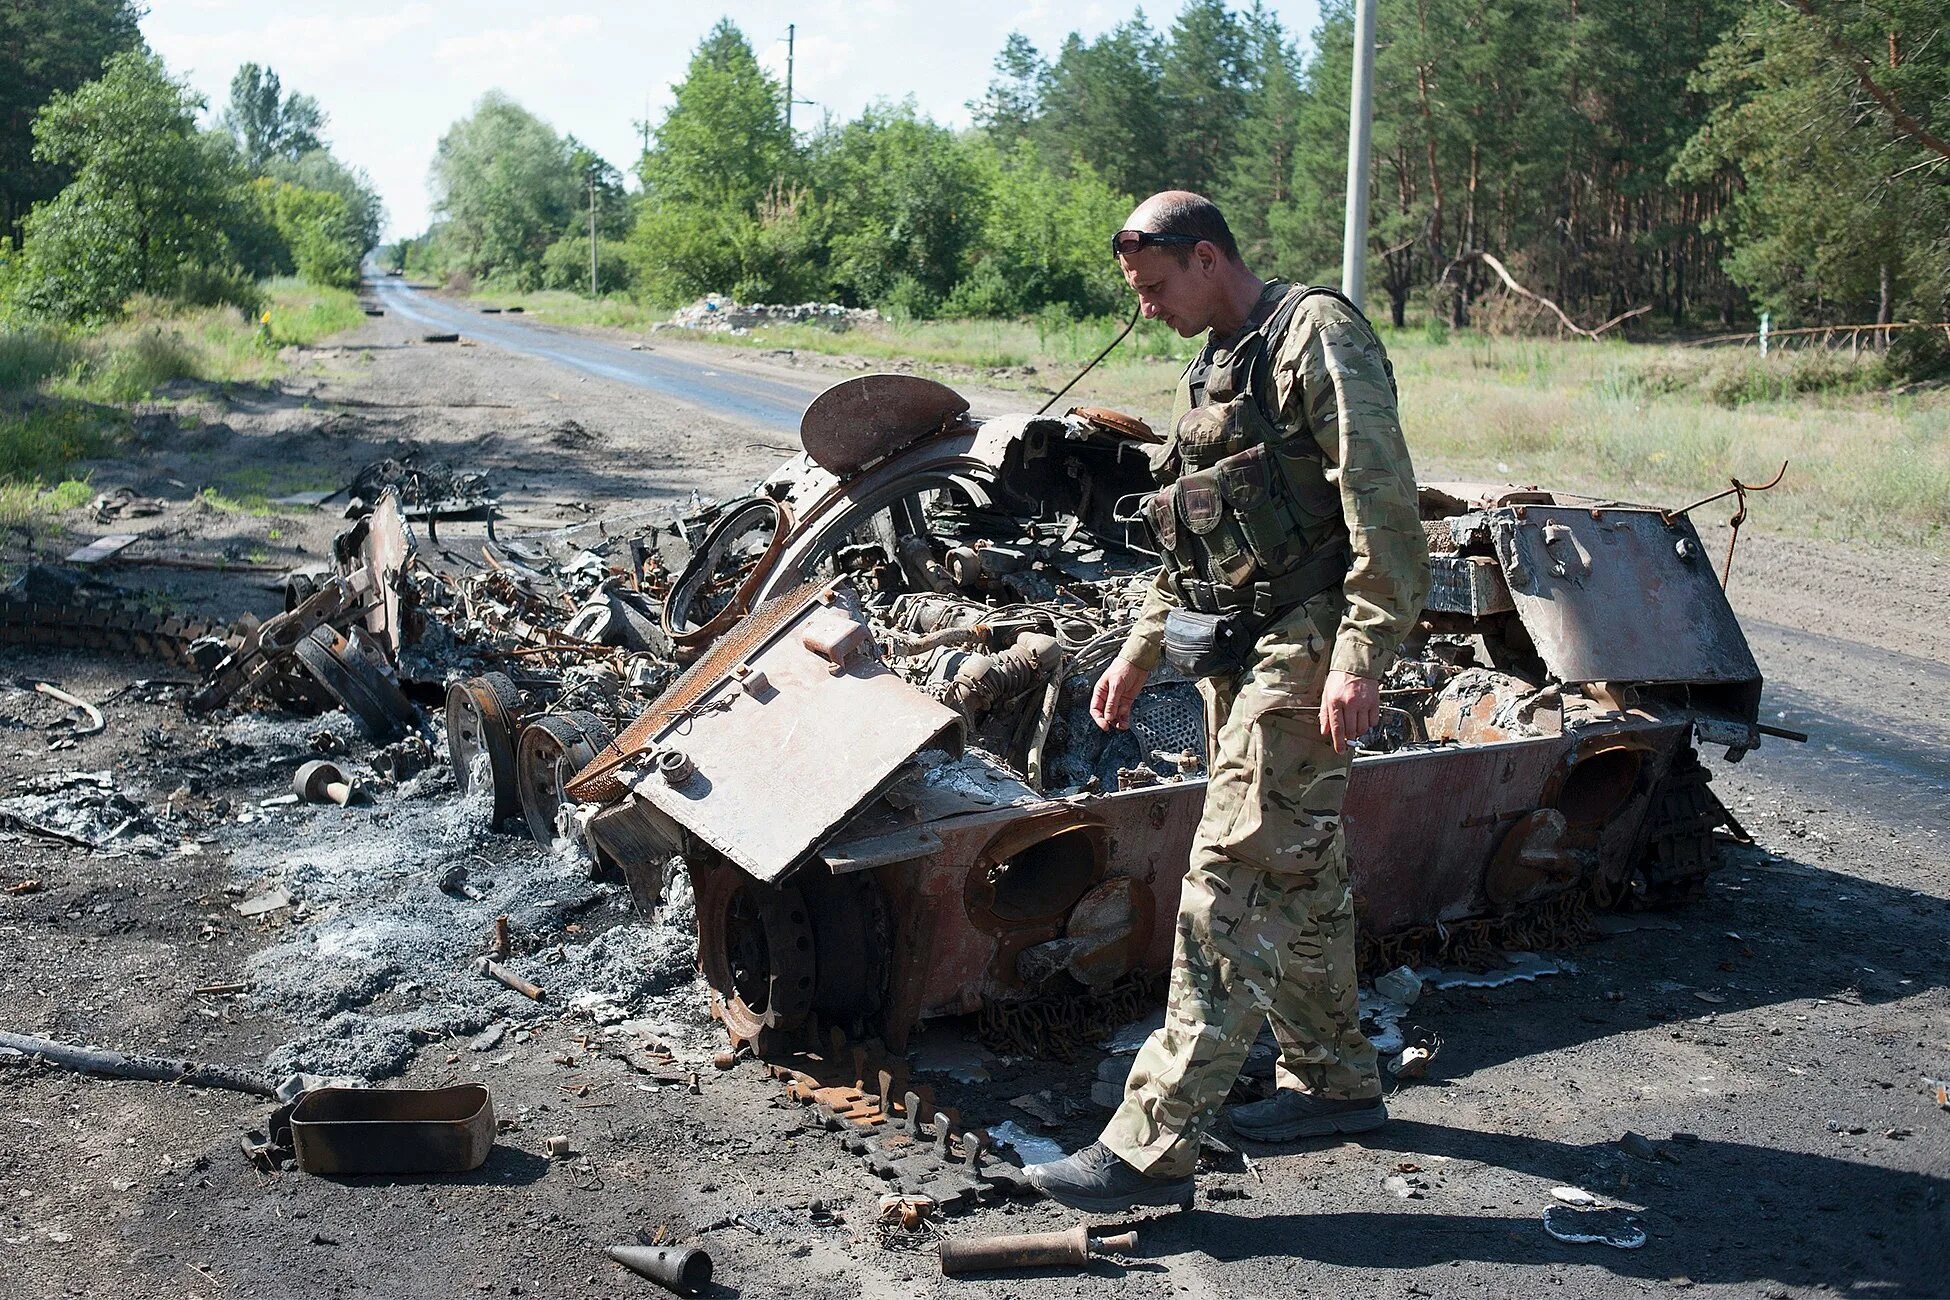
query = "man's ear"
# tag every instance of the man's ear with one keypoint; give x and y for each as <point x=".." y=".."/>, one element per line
<point x="1208" y="256"/>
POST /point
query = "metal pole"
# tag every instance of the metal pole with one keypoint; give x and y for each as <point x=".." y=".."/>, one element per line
<point x="789" y="29"/>
<point x="1354" y="239"/>
<point x="592" y="237"/>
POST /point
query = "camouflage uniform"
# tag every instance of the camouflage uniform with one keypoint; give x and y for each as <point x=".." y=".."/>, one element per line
<point x="1266" y="915"/>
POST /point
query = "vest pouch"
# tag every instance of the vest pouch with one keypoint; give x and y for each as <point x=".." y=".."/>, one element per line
<point x="1211" y="432"/>
<point x="1202" y="505"/>
<point x="1259" y="510"/>
<point x="1208" y="645"/>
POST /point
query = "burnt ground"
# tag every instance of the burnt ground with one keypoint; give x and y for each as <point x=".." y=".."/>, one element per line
<point x="1770" y="1039"/>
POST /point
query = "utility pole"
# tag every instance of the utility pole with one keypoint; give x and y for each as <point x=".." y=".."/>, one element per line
<point x="791" y="30"/>
<point x="1354" y="238"/>
<point x="592" y="236"/>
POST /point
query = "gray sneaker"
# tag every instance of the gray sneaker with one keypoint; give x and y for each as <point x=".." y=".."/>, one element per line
<point x="1290" y="1113"/>
<point x="1096" y="1180"/>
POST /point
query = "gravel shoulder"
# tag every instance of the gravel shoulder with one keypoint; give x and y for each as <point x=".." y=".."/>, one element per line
<point x="1770" y="1040"/>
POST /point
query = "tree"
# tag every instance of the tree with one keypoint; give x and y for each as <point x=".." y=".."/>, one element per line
<point x="1842" y="207"/>
<point x="319" y="170"/>
<point x="902" y="199"/>
<point x="1255" y="183"/>
<point x="149" y="198"/>
<point x="506" y="186"/>
<point x="1102" y="108"/>
<point x="1203" y="82"/>
<point x="1014" y="98"/>
<point x="47" y="47"/>
<point x="724" y="143"/>
<point x="317" y="234"/>
<point x="1042" y="240"/>
<point x="267" y="124"/>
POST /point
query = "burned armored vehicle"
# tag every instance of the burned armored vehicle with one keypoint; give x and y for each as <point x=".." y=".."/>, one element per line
<point x="853" y="705"/>
<point x="881" y="774"/>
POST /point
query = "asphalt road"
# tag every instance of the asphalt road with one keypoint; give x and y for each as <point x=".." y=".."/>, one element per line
<point x="769" y="403"/>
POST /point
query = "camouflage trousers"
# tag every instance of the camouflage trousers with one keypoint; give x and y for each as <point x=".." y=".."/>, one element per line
<point x="1265" y="918"/>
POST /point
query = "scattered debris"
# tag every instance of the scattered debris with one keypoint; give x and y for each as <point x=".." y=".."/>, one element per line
<point x="717" y="314"/>
<point x="337" y="1130"/>
<point x="95" y="720"/>
<point x="323" y="781"/>
<point x="495" y="970"/>
<point x="1519" y="967"/>
<point x="683" y="1269"/>
<point x="1401" y="985"/>
<point x="1606" y="1227"/>
<point x="119" y="1065"/>
<point x="1029" y="1148"/>
<point x="271" y="900"/>
<point x="1073" y="1248"/>
<point x="557" y="1146"/>
<point x="905" y="1208"/>
<point x="1574" y="1196"/>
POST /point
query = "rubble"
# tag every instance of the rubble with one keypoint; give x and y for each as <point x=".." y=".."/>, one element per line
<point x="715" y="313"/>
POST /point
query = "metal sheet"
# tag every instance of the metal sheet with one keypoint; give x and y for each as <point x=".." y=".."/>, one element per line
<point x="859" y="421"/>
<point x="1618" y="594"/>
<point x="789" y="749"/>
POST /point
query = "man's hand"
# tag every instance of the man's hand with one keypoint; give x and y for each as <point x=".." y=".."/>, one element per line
<point x="1349" y="707"/>
<point x="1110" y="702"/>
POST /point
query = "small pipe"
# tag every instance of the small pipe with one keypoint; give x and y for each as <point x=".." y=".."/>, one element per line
<point x="683" y="1269"/>
<point x="495" y="970"/>
<point x="1028" y="1250"/>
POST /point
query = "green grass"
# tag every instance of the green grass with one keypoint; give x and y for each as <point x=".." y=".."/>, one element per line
<point x="61" y="391"/>
<point x="26" y="502"/>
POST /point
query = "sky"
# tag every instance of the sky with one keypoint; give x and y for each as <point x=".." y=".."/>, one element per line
<point x="392" y="75"/>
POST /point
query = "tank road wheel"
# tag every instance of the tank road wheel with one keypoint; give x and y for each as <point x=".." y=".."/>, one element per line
<point x="552" y="749"/>
<point x="482" y="716"/>
<point x="755" y="946"/>
<point x="351" y="670"/>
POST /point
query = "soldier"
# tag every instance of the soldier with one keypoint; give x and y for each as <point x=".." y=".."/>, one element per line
<point x="1294" y="563"/>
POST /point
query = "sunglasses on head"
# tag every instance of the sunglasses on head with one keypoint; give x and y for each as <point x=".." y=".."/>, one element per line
<point x="1126" y="242"/>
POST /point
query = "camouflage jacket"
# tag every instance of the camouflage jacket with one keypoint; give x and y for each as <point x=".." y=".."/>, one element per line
<point x="1329" y="377"/>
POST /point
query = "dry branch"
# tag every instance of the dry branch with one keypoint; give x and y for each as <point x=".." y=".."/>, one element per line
<point x="1510" y="282"/>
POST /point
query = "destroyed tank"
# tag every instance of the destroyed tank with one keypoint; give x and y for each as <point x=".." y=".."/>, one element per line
<point x="882" y="778"/>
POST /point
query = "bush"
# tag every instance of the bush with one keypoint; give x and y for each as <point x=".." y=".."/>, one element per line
<point x="1918" y="353"/>
<point x="218" y="286"/>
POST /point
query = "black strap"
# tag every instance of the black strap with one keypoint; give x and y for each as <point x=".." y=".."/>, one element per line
<point x="1324" y="569"/>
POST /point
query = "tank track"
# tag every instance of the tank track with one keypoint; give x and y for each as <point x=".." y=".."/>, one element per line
<point x="111" y="627"/>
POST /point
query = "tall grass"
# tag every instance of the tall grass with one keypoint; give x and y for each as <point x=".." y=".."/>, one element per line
<point x="62" y="392"/>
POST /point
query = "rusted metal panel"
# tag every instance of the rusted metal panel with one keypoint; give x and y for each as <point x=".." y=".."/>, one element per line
<point x="786" y="746"/>
<point x="859" y="421"/>
<point x="1421" y="825"/>
<point x="1619" y="594"/>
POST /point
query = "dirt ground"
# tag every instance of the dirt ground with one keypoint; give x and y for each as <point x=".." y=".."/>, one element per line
<point x="1771" y="1040"/>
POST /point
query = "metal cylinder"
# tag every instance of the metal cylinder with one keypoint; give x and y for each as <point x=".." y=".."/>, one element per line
<point x="683" y="1269"/>
<point x="1018" y="1250"/>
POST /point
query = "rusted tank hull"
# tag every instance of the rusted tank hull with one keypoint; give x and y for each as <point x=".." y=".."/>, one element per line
<point x="1430" y="836"/>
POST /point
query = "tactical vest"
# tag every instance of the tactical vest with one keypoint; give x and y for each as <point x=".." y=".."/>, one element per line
<point x="1247" y="519"/>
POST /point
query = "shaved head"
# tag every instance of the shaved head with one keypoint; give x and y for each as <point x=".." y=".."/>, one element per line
<point x="1181" y="212"/>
